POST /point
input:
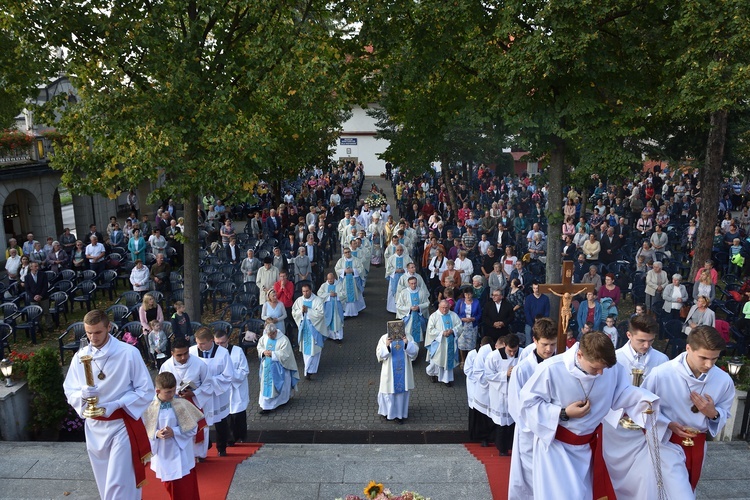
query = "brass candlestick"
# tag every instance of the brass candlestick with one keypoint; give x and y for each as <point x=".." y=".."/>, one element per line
<point x="91" y="409"/>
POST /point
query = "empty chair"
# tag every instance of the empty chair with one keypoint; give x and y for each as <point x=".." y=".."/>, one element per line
<point x="51" y="276"/>
<point x="224" y="293"/>
<point x="123" y="272"/>
<point x="235" y="314"/>
<point x="108" y="281"/>
<point x="29" y="320"/>
<point x="10" y="312"/>
<point x="67" y="274"/>
<point x="246" y="299"/>
<point x="88" y="274"/>
<point x="118" y="314"/>
<point x="63" y="285"/>
<point x="5" y="332"/>
<point x="71" y="339"/>
<point x="84" y="294"/>
<point x="129" y="299"/>
<point x="223" y="326"/>
<point x="58" y="304"/>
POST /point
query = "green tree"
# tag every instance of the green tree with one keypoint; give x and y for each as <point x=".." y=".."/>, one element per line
<point x="704" y="80"/>
<point x="203" y="96"/>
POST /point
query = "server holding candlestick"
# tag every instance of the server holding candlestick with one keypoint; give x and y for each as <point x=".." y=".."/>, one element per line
<point x="108" y="384"/>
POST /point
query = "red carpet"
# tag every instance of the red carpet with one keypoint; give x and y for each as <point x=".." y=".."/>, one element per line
<point x="214" y="475"/>
<point x="497" y="467"/>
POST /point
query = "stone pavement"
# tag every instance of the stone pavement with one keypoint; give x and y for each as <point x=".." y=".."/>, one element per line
<point x="323" y="472"/>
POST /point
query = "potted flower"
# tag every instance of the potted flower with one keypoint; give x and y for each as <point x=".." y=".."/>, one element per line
<point x="20" y="364"/>
<point x="72" y="428"/>
<point x="376" y="491"/>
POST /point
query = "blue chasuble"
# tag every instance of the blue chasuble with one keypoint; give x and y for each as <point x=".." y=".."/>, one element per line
<point x="351" y="295"/>
<point x="450" y="343"/>
<point x="272" y="374"/>
<point x="418" y="320"/>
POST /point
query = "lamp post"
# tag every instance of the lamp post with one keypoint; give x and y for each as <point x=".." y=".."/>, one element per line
<point x="734" y="366"/>
<point x="6" y="367"/>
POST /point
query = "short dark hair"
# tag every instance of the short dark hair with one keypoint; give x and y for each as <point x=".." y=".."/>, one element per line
<point x="544" y="328"/>
<point x="165" y="380"/>
<point x="180" y="343"/>
<point x="706" y="337"/>
<point x="598" y="347"/>
<point x="645" y="323"/>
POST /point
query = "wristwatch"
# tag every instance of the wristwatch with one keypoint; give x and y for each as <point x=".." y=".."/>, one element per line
<point x="716" y="417"/>
<point x="564" y="415"/>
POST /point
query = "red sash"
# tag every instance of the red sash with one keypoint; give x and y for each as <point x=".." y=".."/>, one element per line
<point x="693" y="456"/>
<point x="602" y="485"/>
<point x="140" y="449"/>
<point x="199" y="437"/>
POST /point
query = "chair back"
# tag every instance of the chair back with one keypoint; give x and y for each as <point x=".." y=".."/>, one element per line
<point x="221" y="325"/>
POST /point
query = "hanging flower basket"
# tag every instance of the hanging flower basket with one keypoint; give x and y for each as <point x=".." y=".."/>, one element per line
<point x="13" y="142"/>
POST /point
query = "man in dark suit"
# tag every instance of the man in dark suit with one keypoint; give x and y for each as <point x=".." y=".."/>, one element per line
<point x="497" y="316"/>
<point x="523" y="275"/>
<point x="273" y="225"/>
<point x="622" y="231"/>
<point x="501" y="238"/>
<point x="610" y="244"/>
<point x="36" y="286"/>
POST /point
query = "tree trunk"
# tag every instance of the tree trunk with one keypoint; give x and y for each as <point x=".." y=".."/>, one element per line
<point x="446" y="174"/>
<point x="554" y="212"/>
<point x="710" y="178"/>
<point x="191" y="268"/>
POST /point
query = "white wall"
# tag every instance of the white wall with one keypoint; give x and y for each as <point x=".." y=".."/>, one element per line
<point x="357" y="134"/>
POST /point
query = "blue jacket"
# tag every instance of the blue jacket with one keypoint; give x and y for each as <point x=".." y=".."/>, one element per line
<point x="583" y="312"/>
<point x="476" y="310"/>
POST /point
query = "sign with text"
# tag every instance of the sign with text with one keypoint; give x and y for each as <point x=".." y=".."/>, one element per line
<point x="348" y="141"/>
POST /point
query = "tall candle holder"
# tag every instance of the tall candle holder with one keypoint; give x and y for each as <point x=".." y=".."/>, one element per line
<point x="91" y="410"/>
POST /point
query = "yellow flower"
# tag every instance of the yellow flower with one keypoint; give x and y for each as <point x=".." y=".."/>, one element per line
<point x="373" y="489"/>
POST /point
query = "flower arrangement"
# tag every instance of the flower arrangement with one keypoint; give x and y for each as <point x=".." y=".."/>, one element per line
<point x="376" y="491"/>
<point x="72" y="423"/>
<point x="13" y="140"/>
<point x="20" y="363"/>
<point x="374" y="200"/>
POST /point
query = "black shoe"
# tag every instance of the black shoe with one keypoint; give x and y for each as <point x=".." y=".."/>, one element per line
<point x="449" y="384"/>
<point x="231" y="443"/>
<point x="308" y="377"/>
<point x="222" y="453"/>
<point x="264" y="412"/>
<point x="485" y="444"/>
<point x="399" y="421"/>
<point x="434" y="379"/>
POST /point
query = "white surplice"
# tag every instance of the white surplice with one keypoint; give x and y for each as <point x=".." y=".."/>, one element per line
<point x="390" y="404"/>
<point x="481" y="386"/>
<point x="626" y="451"/>
<point x="172" y="458"/>
<point x="496" y="374"/>
<point x="239" y="395"/>
<point x="127" y="386"/>
<point x="470" y="383"/>
<point x="672" y="382"/>
<point x="558" y="382"/>
<point x="520" y="486"/>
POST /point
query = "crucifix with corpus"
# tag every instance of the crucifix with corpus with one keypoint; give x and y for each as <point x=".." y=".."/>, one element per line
<point x="566" y="291"/>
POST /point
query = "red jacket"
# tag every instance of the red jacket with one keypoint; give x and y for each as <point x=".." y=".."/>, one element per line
<point x="285" y="294"/>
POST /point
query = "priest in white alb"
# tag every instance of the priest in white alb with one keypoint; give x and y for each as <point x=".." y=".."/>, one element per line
<point x="564" y="403"/>
<point x="413" y="308"/>
<point x="239" y="394"/>
<point x="626" y="450"/>
<point x="349" y="269"/>
<point x="395" y="352"/>
<point x="278" y="369"/>
<point x="403" y="281"/>
<point x="331" y="292"/>
<point x="310" y="317"/>
<point x="395" y="267"/>
<point x="440" y="341"/>
<point x="124" y="389"/>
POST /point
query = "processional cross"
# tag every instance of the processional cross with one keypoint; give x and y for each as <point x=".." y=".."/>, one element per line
<point x="566" y="291"/>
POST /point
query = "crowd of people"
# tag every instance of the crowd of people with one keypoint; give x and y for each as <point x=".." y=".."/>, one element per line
<point x="464" y="283"/>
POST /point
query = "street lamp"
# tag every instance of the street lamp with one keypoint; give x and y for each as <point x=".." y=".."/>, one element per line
<point x="6" y="367"/>
<point x="734" y="366"/>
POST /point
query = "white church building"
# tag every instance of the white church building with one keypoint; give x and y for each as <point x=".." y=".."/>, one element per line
<point x="358" y="142"/>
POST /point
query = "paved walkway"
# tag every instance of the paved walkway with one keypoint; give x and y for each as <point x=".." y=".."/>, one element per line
<point x="336" y="442"/>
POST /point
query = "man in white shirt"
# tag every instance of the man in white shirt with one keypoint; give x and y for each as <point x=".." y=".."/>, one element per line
<point x="95" y="253"/>
<point x="239" y="395"/>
